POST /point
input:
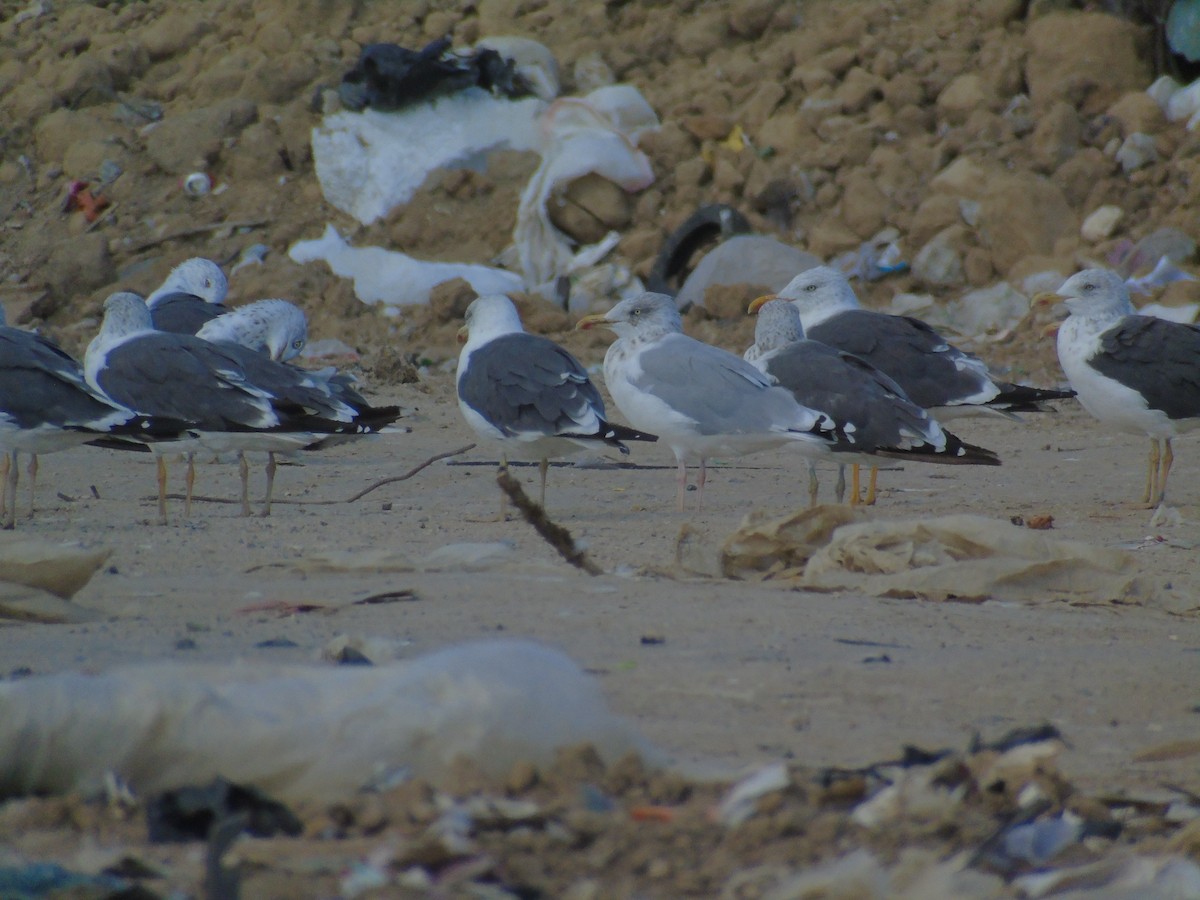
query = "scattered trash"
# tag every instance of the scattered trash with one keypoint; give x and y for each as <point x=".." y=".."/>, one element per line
<point x="1164" y="272"/>
<point x="388" y="77"/>
<point x="956" y="557"/>
<point x="749" y="259"/>
<point x="873" y="259"/>
<point x="709" y="224"/>
<point x="368" y="163"/>
<point x="197" y="184"/>
<point x="81" y="197"/>
<point x="190" y="813"/>
<point x="742" y="800"/>
<point x="251" y="256"/>
<point x="41" y="879"/>
<point x="303" y="732"/>
<point x="394" y="278"/>
<point x="38" y="578"/>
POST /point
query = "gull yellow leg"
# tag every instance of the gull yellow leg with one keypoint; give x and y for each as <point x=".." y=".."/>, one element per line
<point x="189" y="484"/>
<point x="266" y="508"/>
<point x="813" y="485"/>
<point x="5" y="465"/>
<point x="162" y="490"/>
<point x="1151" y="473"/>
<point x="1168" y="457"/>
<point x="854" y="485"/>
<point x="32" y="469"/>
<point x="871" y="496"/>
<point x="543" y="468"/>
<point x="244" y="472"/>
<point x="11" y="474"/>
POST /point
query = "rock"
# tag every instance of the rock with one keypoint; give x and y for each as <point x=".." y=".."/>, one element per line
<point x="748" y="19"/>
<point x="1137" y="111"/>
<point x="181" y="143"/>
<point x="1055" y="138"/>
<point x="589" y="208"/>
<point x="859" y="89"/>
<point x="78" y="266"/>
<point x="84" y="159"/>
<point x="258" y="153"/>
<point x="939" y="263"/>
<point x="1022" y="214"/>
<point x="965" y="177"/>
<point x="1136" y="152"/>
<point x="1064" y="66"/>
<point x="864" y="206"/>
<point x="961" y="97"/>
<point x="57" y="132"/>
<point x="176" y="32"/>
<point x="84" y="81"/>
<point x="701" y="33"/>
<point x="1101" y="224"/>
<point x="936" y="212"/>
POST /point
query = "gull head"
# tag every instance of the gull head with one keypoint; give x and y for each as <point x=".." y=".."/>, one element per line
<point x="1097" y="293"/>
<point x="778" y="325"/>
<point x="198" y="276"/>
<point x="647" y="316"/>
<point x="489" y="316"/>
<point x="819" y="290"/>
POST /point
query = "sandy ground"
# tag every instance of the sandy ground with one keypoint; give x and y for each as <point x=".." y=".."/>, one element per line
<point x="709" y="669"/>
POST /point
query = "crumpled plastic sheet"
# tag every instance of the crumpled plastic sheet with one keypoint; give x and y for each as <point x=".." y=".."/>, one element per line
<point x="368" y="163"/>
<point x="962" y="557"/>
<point x="304" y="733"/>
<point x="39" y="577"/>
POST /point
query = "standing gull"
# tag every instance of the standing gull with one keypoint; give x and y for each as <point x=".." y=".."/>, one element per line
<point x="870" y="408"/>
<point x="233" y="398"/>
<point x="1136" y="373"/>
<point x="527" y="392"/>
<point x="701" y="400"/>
<point x="192" y="293"/>
<point x="47" y="405"/>
<point x="935" y="374"/>
<point x="275" y="327"/>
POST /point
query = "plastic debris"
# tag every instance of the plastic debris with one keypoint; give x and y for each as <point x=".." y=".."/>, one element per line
<point x="874" y="259"/>
<point x="742" y="800"/>
<point x="1164" y="272"/>
<point x="250" y="256"/>
<point x="394" y="278"/>
<point x="389" y="77"/>
<point x="189" y="813"/>
<point x="197" y="184"/>
<point x="304" y="733"/>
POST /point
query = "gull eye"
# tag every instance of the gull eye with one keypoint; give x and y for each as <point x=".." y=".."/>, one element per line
<point x="636" y="311"/>
<point x="297" y="344"/>
<point x="810" y="288"/>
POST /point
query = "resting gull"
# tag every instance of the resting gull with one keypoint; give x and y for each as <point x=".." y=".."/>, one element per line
<point x="700" y="399"/>
<point x="47" y="405"/>
<point x="870" y="408"/>
<point x="527" y="392"/>
<point x="233" y="398"/>
<point x="192" y="293"/>
<point x="935" y="374"/>
<point x="275" y="327"/>
<point x="1139" y="374"/>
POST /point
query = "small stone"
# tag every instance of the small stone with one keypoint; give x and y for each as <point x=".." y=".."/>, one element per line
<point x="1136" y="151"/>
<point x="1101" y="224"/>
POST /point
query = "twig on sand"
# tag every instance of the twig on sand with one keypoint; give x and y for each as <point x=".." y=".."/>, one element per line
<point x="192" y="232"/>
<point x="553" y="533"/>
<point x="351" y="499"/>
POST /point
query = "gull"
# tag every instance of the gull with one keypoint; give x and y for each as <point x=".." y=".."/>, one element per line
<point x="1138" y="374"/>
<point x="528" y="393"/>
<point x="275" y="327"/>
<point x="935" y="374"/>
<point x="700" y="399"/>
<point x="47" y="405"/>
<point x="192" y="293"/>
<point x="233" y="398"/>
<point x="876" y="416"/>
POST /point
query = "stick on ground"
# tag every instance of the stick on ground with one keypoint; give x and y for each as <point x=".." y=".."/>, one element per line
<point x="553" y="533"/>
